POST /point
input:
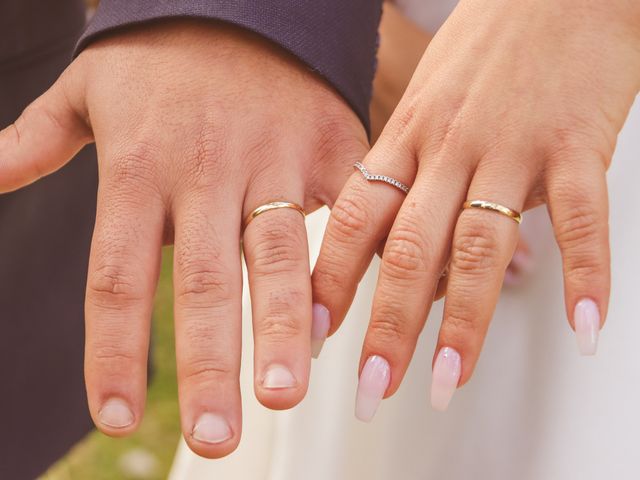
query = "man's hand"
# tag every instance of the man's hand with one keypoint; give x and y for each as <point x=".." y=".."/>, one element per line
<point x="195" y="125"/>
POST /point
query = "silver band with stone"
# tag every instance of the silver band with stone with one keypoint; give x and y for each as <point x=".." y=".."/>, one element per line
<point x="380" y="178"/>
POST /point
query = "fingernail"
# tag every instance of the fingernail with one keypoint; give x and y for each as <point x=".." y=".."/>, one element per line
<point x="374" y="381"/>
<point x="446" y="375"/>
<point x="211" y="428"/>
<point x="278" y="376"/>
<point x="586" y="319"/>
<point x="319" y="328"/>
<point x="115" y="413"/>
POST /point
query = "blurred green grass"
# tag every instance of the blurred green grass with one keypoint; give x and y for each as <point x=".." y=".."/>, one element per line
<point x="99" y="457"/>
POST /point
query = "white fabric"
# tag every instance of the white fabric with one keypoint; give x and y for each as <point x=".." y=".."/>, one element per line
<point x="429" y="14"/>
<point x="534" y="410"/>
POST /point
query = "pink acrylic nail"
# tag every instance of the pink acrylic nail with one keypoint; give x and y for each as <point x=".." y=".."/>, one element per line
<point x="446" y="375"/>
<point x="586" y="319"/>
<point x="374" y="381"/>
<point x="319" y="328"/>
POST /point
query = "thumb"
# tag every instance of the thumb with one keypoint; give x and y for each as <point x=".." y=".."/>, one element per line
<point x="45" y="137"/>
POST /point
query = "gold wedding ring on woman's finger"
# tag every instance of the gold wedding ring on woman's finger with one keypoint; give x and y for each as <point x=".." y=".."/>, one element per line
<point x="271" y="206"/>
<point x="495" y="207"/>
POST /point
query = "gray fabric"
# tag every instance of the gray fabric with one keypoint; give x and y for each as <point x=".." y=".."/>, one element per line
<point x="45" y="231"/>
<point x="335" y="38"/>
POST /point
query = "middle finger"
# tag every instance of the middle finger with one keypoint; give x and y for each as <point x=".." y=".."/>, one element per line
<point x="413" y="260"/>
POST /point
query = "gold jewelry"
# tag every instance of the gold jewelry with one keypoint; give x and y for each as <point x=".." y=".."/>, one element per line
<point x="272" y="206"/>
<point x="496" y="207"/>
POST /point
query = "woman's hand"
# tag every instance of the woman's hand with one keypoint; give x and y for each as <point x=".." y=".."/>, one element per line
<point x="196" y="125"/>
<point x="515" y="103"/>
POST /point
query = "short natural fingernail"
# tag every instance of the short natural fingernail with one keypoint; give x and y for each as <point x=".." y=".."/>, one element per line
<point x="374" y="381"/>
<point x="278" y="376"/>
<point x="586" y="319"/>
<point x="446" y="375"/>
<point x="319" y="328"/>
<point x="211" y="428"/>
<point x="115" y="413"/>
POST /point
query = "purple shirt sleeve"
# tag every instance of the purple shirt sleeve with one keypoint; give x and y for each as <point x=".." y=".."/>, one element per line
<point x="337" y="39"/>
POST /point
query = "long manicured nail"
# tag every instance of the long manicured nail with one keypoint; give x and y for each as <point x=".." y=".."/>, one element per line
<point x="115" y="413"/>
<point x="319" y="328"/>
<point x="278" y="376"/>
<point x="374" y="381"/>
<point x="586" y="319"/>
<point x="446" y="375"/>
<point x="211" y="428"/>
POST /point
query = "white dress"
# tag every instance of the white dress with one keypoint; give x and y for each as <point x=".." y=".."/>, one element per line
<point x="534" y="410"/>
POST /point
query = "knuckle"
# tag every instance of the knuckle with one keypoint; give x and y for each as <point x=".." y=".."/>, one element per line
<point x="113" y="353"/>
<point x="408" y="116"/>
<point x="583" y="239"/>
<point x="112" y="285"/>
<point x="579" y="141"/>
<point x="203" y="278"/>
<point x="208" y="338"/>
<point x="579" y="228"/>
<point x="405" y="253"/>
<point x="209" y="147"/>
<point x="281" y="321"/>
<point x="204" y="371"/>
<point x="475" y="249"/>
<point x="387" y="326"/>
<point x="328" y="274"/>
<point x="583" y="270"/>
<point x="336" y="138"/>
<point x="205" y="284"/>
<point x="278" y="328"/>
<point x="459" y="327"/>
<point x="458" y="320"/>
<point x="349" y="217"/>
<point x="135" y="166"/>
<point x="278" y="248"/>
<point x="38" y="111"/>
<point x="445" y="126"/>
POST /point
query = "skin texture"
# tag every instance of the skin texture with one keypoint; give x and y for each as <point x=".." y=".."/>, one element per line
<point x="401" y="48"/>
<point x="519" y="104"/>
<point x="196" y="124"/>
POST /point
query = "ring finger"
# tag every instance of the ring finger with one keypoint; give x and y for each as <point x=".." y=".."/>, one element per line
<point x="276" y="252"/>
<point x="483" y="245"/>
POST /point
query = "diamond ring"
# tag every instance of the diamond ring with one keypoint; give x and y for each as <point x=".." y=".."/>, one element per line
<point x="380" y="178"/>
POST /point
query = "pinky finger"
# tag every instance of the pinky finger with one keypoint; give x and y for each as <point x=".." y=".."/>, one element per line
<point x="578" y="205"/>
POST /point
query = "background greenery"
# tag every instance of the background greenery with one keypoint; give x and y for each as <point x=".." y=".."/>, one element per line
<point x="147" y="454"/>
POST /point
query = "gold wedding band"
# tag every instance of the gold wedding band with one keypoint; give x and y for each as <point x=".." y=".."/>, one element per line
<point x="496" y="207"/>
<point x="272" y="206"/>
